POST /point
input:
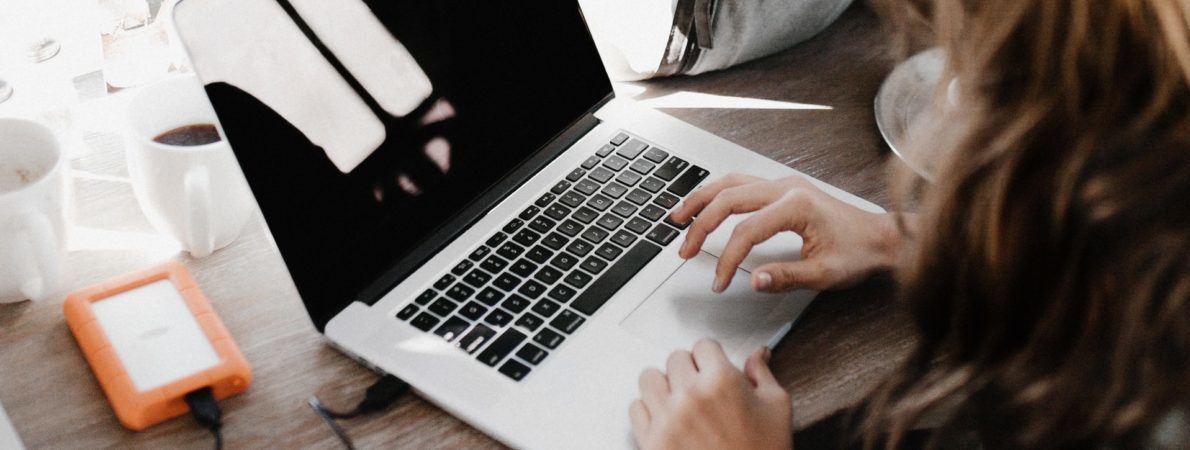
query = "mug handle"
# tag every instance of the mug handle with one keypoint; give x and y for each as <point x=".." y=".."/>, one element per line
<point x="40" y="276"/>
<point x="199" y="219"/>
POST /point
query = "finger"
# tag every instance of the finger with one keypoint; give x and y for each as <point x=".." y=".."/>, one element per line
<point x="730" y="201"/>
<point x="654" y="389"/>
<point x="699" y="199"/>
<point x="756" y="368"/>
<point x="680" y="370"/>
<point x="709" y="356"/>
<point x="638" y="413"/>
<point x="788" y="276"/>
<point x="787" y="214"/>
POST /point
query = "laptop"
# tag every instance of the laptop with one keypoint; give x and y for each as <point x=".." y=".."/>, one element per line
<point x="461" y="202"/>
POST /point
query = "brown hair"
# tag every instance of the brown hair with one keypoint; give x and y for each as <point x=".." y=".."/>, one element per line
<point x="1050" y="281"/>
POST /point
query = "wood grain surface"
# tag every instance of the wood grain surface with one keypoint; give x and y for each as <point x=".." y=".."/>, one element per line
<point x="845" y="342"/>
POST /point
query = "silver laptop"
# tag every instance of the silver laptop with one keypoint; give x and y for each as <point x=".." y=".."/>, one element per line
<point x="502" y="241"/>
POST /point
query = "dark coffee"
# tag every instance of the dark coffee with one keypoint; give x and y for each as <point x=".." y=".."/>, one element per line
<point x="190" y="135"/>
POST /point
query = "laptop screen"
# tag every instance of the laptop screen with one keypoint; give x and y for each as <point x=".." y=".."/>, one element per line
<point x="503" y="78"/>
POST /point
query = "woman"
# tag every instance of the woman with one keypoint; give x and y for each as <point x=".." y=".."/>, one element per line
<point x="1048" y="273"/>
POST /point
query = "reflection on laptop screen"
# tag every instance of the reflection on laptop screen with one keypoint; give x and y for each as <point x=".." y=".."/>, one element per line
<point x="506" y="77"/>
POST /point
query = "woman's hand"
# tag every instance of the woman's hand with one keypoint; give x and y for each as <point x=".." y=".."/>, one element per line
<point x="702" y="401"/>
<point x="842" y="244"/>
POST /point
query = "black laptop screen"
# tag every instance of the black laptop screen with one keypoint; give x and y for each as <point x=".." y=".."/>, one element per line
<point x="507" y="76"/>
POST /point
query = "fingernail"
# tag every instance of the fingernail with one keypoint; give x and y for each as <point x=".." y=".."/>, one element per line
<point x="718" y="285"/>
<point x="763" y="281"/>
<point x="768" y="354"/>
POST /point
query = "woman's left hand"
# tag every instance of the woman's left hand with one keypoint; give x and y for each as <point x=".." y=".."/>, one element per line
<point x="702" y="401"/>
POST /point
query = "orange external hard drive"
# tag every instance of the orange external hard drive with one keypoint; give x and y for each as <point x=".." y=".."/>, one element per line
<point x="151" y="338"/>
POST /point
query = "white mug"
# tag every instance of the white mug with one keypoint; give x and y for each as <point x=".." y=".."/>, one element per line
<point x="32" y="211"/>
<point x="196" y="194"/>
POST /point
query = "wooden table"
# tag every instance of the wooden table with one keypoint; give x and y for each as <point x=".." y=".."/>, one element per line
<point x="843" y="344"/>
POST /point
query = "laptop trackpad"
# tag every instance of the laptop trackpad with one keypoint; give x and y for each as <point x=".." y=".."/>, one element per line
<point x="684" y="309"/>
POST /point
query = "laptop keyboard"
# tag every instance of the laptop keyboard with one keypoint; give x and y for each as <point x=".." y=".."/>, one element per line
<point x="534" y="282"/>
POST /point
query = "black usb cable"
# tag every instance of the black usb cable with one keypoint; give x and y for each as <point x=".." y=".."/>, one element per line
<point x="380" y="395"/>
<point x="206" y="412"/>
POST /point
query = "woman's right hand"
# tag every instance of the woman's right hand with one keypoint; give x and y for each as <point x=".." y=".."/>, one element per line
<point x="842" y="244"/>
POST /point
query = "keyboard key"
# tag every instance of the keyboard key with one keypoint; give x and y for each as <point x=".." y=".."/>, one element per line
<point x="580" y="247"/>
<point x="605" y="150"/>
<point x="459" y="292"/>
<point x="610" y="221"/>
<point x="507" y="282"/>
<point x="498" y="317"/>
<point x="539" y="254"/>
<point x="614" y="190"/>
<point x="666" y="200"/>
<point x="624" y="209"/>
<point x="542" y="224"/>
<point x="510" y="251"/>
<point x="546" y="308"/>
<point x="652" y="185"/>
<point x="615" y="163"/>
<point x="501" y="348"/>
<point x="424" y="322"/>
<point x="526" y="237"/>
<point x="585" y="215"/>
<point x="671" y="168"/>
<point x="557" y="212"/>
<point x="531" y="289"/>
<point x="425" y="297"/>
<point x="529" y="212"/>
<point x="477" y="278"/>
<point x="564" y="261"/>
<point x="462" y="267"/>
<point x="523" y="268"/>
<point x="514" y="370"/>
<point x="555" y="241"/>
<point x="515" y="303"/>
<point x="496" y="239"/>
<point x="662" y="234"/>
<point x="494" y="264"/>
<point x="548" y="275"/>
<point x="602" y="175"/>
<point x="444" y="282"/>
<point x="632" y="150"/>
<point x="532" y="354"/>
<point x="567" y="322"/>
<point x="639" y="196"/>
<point x="624" y="238"/>
<point x="442" y="307"/>
<point x="599" y="202"/>
<point x="591" y="162"/>
<point x="475" y="339"/>
<point x="688" y="181"/>
<point x="578" y="279"/>
<point x="407" y="312"/>
<point x="573" y="199"/>
<point x="570" y="228"/>
<point x="609" y="251"/>
<point x="560" y="187"/>
<point x="530" y="322"/>
<point x="473" y="310"/>
<point x="628" y="178"/>
<point x="593" y="265"/>
<point x="549" y="338"/>
<point x="490" y="296"/>
<point x="479" y="253"/>
<point x="619" y="139"/>
<point x="652" y="212"/>
<point x="656" y="155"/>
<point x="638" y="225"/>
<point x="606" y="286"/>
<point x="512" y="226"/>
<point x="642" y="166"/>
<point x="681" y="226"/>
<point x="452" y="328"/>
<point x="562" y="293"/>
<point x="586" y="186"/>
<point x="545" y="200"/>
<point x="595" y="235"/>
<point x="575" y="175"/>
